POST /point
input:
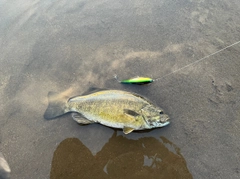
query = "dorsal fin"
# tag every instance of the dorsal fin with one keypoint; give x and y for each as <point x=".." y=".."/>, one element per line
<point x="93" y="90"/>
<point x="90" y="90"/>
<point x="144" y="98"/>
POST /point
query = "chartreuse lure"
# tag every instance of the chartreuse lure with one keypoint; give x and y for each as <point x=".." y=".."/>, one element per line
<point x="136" y="80"/>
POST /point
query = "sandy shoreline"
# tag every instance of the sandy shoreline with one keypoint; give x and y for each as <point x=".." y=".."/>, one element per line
<point x="68" y="48"/>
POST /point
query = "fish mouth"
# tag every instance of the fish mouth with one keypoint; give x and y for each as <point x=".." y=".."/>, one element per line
<point x="165" y="119"/>
<point x="165" y="123"/>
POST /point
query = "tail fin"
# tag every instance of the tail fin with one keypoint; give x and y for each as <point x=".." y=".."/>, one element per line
<point x="57" y="105"/>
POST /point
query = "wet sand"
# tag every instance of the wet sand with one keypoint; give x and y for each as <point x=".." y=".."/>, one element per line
<point x="63" y="47"/>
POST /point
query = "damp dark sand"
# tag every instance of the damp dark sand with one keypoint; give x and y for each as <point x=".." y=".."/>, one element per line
<point x="69" y="47"/>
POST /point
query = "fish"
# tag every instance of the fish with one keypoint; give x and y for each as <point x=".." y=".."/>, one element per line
<point x="112" y="108"/>
<point x="136" y="80"/>
<point x="4" y="168"/>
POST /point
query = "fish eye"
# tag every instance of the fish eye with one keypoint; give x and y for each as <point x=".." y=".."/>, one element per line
<point x="161" y="112"/>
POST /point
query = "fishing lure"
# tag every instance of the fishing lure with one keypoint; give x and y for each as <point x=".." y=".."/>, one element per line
<point x="146" y="80"/>
<point x="136" y="80"/>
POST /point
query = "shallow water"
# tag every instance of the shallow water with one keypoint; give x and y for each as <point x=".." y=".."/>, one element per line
<point x="120" y="157"/>
<point x="69" y="47"/>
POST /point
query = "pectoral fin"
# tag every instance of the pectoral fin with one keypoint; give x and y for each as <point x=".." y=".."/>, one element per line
<point x="131" y="112"/>
<point x="127" y="130"/>
<point x="81" y="119"/>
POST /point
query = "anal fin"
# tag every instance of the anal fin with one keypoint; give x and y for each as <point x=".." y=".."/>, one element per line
<point x="127" y="130"/>
<point x="81" y="119"/>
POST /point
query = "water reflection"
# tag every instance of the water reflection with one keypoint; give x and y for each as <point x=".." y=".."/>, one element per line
<point x="119" y="158"/>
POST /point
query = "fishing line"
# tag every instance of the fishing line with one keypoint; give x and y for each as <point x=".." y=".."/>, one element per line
<point x="197" y="61"/>
<point x="146" y="80"/>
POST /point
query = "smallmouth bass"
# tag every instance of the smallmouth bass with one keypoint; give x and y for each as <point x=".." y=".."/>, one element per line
<point x="112" y="108"/>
